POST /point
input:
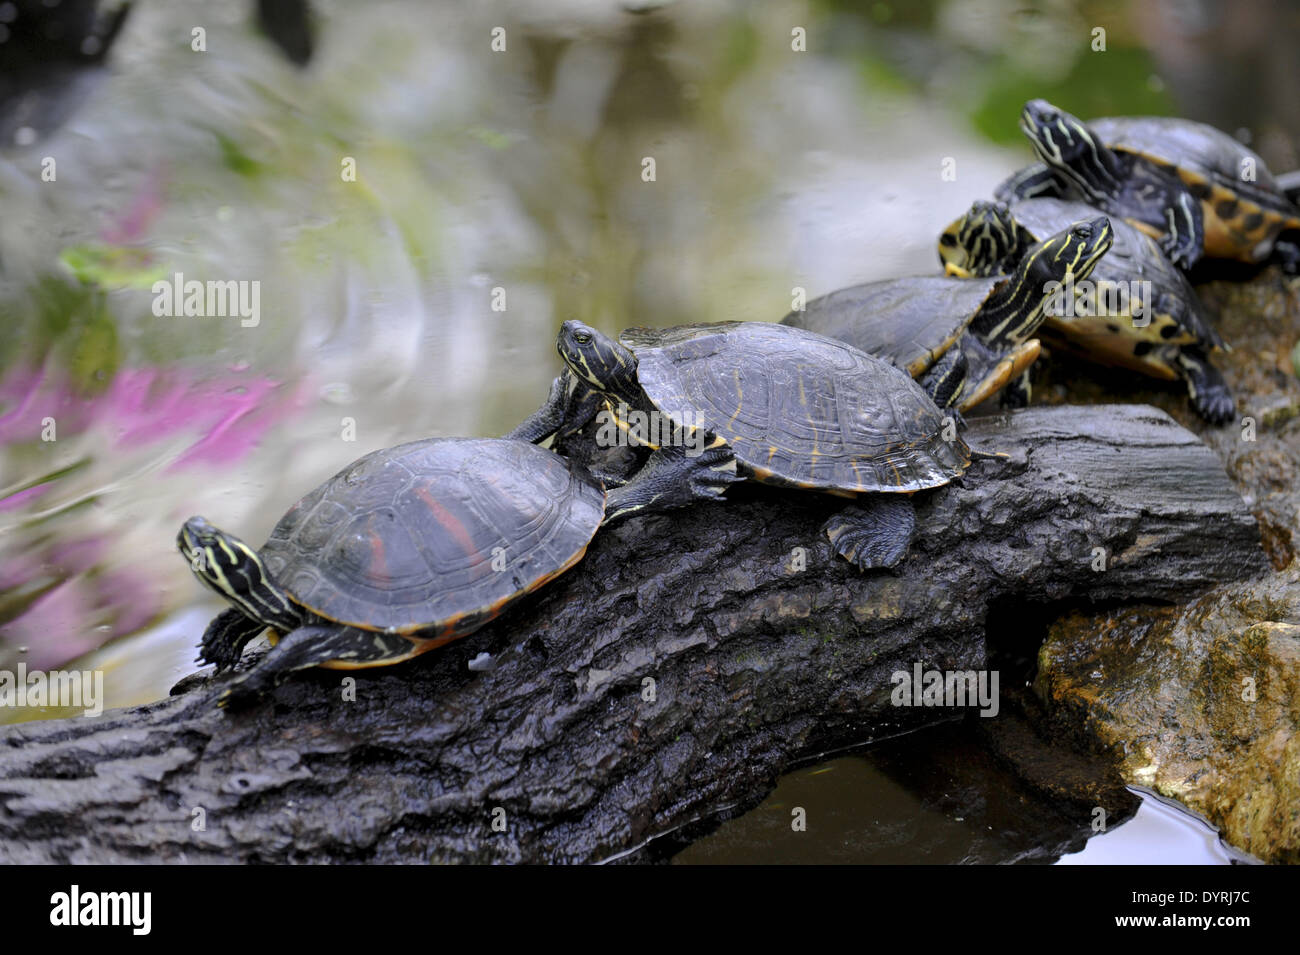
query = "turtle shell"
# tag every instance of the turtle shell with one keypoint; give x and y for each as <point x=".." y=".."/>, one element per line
<point x="909" y="321"/>
<point x="1177" y="316"/>
<point x="405" y="539"/>
<point x="1241" y="216"/>
<point x="797" y="408"/>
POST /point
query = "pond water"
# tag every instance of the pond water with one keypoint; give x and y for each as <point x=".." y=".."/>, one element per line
<point x="937" y="796"/>
<point x="497" y="192"/>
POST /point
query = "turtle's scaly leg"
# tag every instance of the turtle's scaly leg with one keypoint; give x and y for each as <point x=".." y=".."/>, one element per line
<point x="226" y="637"/>
<point x="1034" y="180"/>
<point x="569" y="405"/>
<point x="1286" y="254"/>
<point x="1206" y="388"/>
<point x="672" y="477"/>
<point x="992" y="370"/>
<point x="1184" y="238"/>
<point x="1017" y="392"/>
<point x="311" y="646"/>
<point x="1289" y="183"/>
<point x="944" y="381"/>
<point x="876" y="532"/>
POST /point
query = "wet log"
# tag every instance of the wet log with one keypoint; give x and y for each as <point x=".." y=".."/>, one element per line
<point x="670" y="678"/>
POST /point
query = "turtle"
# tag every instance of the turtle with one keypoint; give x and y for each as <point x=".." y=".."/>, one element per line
<point x="1289" y="183"/>
<point x="1194" y="188"/>
<point x="777" y="405"/>
<point x="915" y="321"/>
<point x="1143" y="313"/>
<point x="402" y="551"/>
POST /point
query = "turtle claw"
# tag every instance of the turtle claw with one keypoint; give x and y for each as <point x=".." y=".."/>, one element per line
<point x="302" y="648"/>
<point x="675" y="477"/>
<point x="714" y="472"/>
<point x="1206" y="390"/>
<point x="236" y="697"/>
<point x="1180" y="256"/>
<point x="1216" y="407"/>
<point x="224" y="641"/>
<point x="1184" y="236"/>
<point x="1286" y="255"/>
<point x="874" y="534"/>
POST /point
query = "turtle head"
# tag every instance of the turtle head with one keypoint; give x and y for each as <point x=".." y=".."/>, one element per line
<point x="235" y="571"/>
<point x="218" y="559"/>
<point x="1066" y="144"/>
<point x="979" y="242"/>
<point x="598" y="360"/>
<point x="1016" y="307"/>
<point x="1070" y="254"/>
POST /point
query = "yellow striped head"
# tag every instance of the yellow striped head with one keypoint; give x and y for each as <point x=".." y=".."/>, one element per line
<point x="235" y="571"/>
<point x="1069" y="147"/>
<point x="980" y="241"/>
<point x="1074" y="251"/>
<point x="598" y="360"/>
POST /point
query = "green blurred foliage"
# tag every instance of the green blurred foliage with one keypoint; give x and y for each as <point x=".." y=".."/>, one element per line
<point x="914" y="48"/>
<point x="1115" y="82"/>
<point x="234" y="158"/>
<point x="70" y="323"/>
<point x="112" y="266"/>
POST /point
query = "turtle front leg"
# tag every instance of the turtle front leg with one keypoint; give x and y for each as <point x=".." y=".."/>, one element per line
<point x="1206" y="388"/>
<point x="1017" y="392"/>
<point x="311" y="646"/>
<point x="673" y="477"/>
<point x="542" y="425"/>
<point x="1184" y="237"/>
<point x="944" y="381"/>
<point x="305" y="647"/>
<point x="1286" y="254"/>
<point x="224" y="641"/>
<point x="569" y="405"/>
<point x="877" y="532"/>
<point x="1005" y="370"/>
<point x="1034" y="180"/>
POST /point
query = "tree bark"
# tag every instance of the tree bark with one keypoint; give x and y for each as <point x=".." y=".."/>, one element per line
<point x="669" y="678"/>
